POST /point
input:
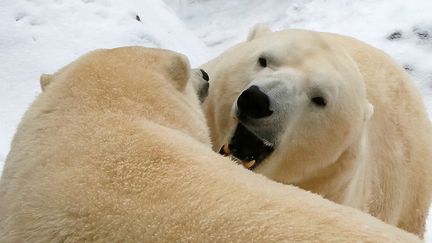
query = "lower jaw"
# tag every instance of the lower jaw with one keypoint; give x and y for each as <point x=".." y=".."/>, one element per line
<point x="250" y="165"/>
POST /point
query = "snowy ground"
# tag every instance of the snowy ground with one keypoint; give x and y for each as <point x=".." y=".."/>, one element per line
<point x="40" y="36"/>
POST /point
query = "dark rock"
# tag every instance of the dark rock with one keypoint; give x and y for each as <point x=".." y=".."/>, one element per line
<point x="395" y="35"/>
<point x="408" y="68"/>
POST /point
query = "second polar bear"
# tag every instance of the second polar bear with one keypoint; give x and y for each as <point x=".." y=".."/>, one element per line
<point x="329" y="114"/>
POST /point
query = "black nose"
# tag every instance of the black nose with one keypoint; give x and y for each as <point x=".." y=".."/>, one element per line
<point x="253" y="103"/>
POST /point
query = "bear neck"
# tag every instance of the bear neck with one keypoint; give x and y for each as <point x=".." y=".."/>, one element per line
<point x="346" y="180"/>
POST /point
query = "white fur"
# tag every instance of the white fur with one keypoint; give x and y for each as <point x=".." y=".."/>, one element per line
<point x="369" y="148"/>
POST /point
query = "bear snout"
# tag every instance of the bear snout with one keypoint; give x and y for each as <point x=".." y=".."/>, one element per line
<point x="253" y="103"/>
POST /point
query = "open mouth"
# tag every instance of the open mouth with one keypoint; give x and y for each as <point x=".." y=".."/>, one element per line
<point x="247" y="147"/>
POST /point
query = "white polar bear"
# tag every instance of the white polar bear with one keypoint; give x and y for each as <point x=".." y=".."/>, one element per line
<point x="298" y="106"/>
<point x="116" y="149"/>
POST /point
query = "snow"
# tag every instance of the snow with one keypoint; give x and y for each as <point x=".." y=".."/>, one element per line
<point x="40" y="36"/>
<point x="222" y="25"/>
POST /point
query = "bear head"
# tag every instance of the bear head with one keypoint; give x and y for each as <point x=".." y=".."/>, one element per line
<point x="285" y="104"/>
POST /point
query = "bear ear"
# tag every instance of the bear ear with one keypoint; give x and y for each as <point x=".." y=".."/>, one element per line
<point x="179" y="70"/>
<point x="257" y="31"/>
<point x="200" y="82"/>
<point x="368" y="111"/>
<point x="45" y="80"/>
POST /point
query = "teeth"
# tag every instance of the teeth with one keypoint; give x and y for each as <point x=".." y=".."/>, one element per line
<point x="226" y="149"/>
<point x="249" y="164"/>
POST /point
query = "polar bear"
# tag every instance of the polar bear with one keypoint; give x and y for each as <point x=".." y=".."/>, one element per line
<point x="329" y="114"/>
<point x="116" y="149"/>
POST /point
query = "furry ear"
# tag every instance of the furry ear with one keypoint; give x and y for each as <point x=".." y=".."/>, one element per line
<point x="257" y="31"/>
<point x="368" y="111"/>
<point x="200" y="82"/>
<point x="45" y="80"/>
<point x="179" y="70"/>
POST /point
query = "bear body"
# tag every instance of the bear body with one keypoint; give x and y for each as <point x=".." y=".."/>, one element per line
<point x="329" y="114"/>
<point x="116" y="149"/>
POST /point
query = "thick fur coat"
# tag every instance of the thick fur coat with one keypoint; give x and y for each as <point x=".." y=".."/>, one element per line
<point x="116" y="149"/>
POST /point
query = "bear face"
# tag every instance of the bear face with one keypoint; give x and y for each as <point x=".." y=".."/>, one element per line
<point x="287" y="96"/>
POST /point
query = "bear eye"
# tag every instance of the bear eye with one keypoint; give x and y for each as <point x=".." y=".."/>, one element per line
<point x="262" y="62"/>
<point x="319" y="101"/>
